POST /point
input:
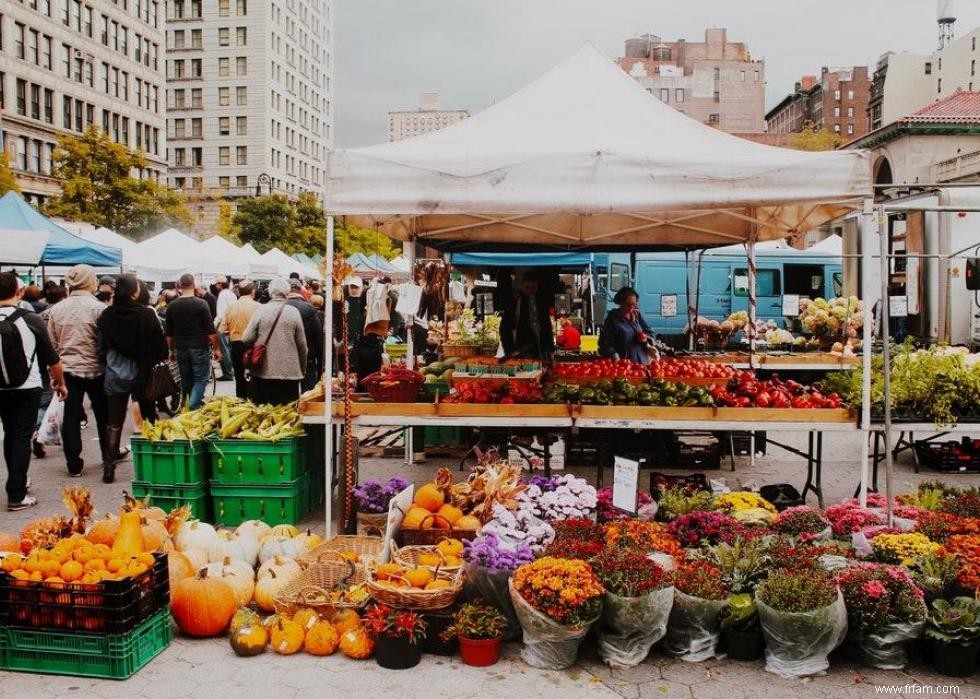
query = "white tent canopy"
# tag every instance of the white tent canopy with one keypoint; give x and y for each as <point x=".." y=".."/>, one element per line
<point x="287" y="265"/>
<point x="175" y="249"/>
<point x="217" y="247"/>
<point x="22" y="247"/>
<point x="583" y="157"/>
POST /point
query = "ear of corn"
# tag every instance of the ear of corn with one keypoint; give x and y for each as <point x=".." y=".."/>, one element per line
<point x="228" y="418"/>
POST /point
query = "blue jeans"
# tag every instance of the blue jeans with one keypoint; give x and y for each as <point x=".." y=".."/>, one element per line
<point x="226" y="366"/>
<point x="195" y="370"/>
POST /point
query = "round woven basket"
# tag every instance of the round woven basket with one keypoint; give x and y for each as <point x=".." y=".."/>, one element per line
<point x="413" y="598"/>
<point x="408" y="556"/>
<point x="314" y="587"/>
<point x="367" y="548"/>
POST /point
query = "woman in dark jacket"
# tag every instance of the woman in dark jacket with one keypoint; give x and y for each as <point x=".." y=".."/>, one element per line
<point x="367" y="357"/>
<point x="625" y="335"/>
<point x="132" y="342"/>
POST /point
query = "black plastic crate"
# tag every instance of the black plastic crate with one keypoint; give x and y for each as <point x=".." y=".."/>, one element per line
<point x="782" y="495"/>
<point x="111" y="607"/>
<point x="742" y="442"/>
<point x="662" y="481"/>
<point x="950" y="456"/>
<point x="700" y="450"/>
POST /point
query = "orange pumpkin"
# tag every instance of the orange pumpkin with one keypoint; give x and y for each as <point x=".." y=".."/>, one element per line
<point x="9" y="543"/>
<point x="430" y="497"/>
<point x="414" y="517"/>
<point x="450" y="512"/>
<point x="104" y="531"/>
<point x="180" y="568"/>
<point x="419" y="577"/>
<point x="155" y="535"/>
<point x="321" y="639"/>
<point x="286" y="636"/>
<point x="203" y="606"/>
<point x="468" y="522"/>
<point x="345" y="620"/>
<point x="356" y="644"/>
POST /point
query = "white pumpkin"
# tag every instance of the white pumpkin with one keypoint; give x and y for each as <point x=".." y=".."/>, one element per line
<point x="195" y="534"/>
<point x="284" y="530"/>
<point x="232" y="563"/>
<point x="240" y="582"/>
<point x="309" y="539"/>
<point x="231" y="545"/>
<point x="197" y="557"/>
<point x="285" y="546"/>
<point x="255" y="528"/>
<point x="282" y="567"/>
<point x="266" y="590"/>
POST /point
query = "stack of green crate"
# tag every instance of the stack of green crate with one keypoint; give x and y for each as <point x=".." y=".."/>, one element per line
<point x="172" y="474"/>
<point x="259" y="480"/>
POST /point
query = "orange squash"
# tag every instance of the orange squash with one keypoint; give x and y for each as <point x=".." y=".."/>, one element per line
<point x="450" y="512"/>
<point x="203" y="606"/>
<point x="414" y="517"/>
<point x="155" y="535"/>
<point x="286" y="636"/>
<point x="356" y="644"/>
<point x="180" y="568"/>
<point x="345" y="620"/>
<point x="9" y="543"/>
<point x="321" y="639"/>
<point x="430" y="497"/>
<point x="104" y="531"/>
<point x="129" y="541"/>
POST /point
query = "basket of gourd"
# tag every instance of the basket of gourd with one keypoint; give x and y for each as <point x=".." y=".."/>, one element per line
<point x="324" y="587"/>
<point x="355" y="548"/>
<point x="413" y="587"/>
<point x="445" y="556"/>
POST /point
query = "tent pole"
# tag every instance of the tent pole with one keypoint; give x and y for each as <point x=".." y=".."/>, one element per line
<point x="328" y="386"/>
<point x="886" y="370"/>
<point x="867" y="229"/>
<point x="410" y="349"/>
<point x="753" y="301"/>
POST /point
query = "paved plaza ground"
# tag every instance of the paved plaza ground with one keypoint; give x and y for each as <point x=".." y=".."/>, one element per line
<point x="209" y="670"/>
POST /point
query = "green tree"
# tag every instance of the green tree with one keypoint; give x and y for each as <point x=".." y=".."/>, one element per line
<point x="351" y="239"/>
<point x="7" y="180"/>
<point x="226" y="226"/>
<point x="814" y="138"/>
<point x="311" y="225"/>
<point x="266" y="222"/>
<point x="97" y="186"/>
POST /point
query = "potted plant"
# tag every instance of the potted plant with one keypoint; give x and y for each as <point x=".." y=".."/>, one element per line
<point x="803" y="619"/>
<point x="639" y="596"/>
<point x="953" y="630"/>
<point x="479" y="628"/>
<point x="699" y="596"/>
<point x="741" y="633"/>
<point x="372" y="499"/>
<point x="885" y="612"/>
<point x="489" y="567"/>
<point x="557" y="600"/>
<point x="397" y="635"/>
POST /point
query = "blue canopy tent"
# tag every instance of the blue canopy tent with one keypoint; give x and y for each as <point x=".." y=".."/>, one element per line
<point x="534" y="259"/>
<point x="63" y="248"/>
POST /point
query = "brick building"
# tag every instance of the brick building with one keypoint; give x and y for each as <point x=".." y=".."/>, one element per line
<point x="837" y="101"/>
<point x="716" y="81"/>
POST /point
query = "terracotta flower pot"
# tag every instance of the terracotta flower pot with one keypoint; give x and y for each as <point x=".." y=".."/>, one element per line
<point x="479" y="652"/>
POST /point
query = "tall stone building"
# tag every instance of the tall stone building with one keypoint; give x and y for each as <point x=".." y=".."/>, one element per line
<point x="249" y="101"/>
<point x="715" y="82"/>
<point x="427" y="118"/>
<point x="837" y="100"/>
<point x="68" y="64"/>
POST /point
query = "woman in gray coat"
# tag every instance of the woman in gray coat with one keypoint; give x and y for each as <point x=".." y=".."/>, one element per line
<point x="279" y="327"/>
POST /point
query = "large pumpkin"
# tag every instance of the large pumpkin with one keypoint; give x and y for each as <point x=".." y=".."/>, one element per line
<point x="286" y="636"/>
<point x="230" y="545"/>
<point x="155" y="534"/>
<point x="430" y="497"/>
<point x="284" y="568"/>
<point x="321" y="639"/>
<point x="203" y="606"/>
<point x="285" y="546"/>
<point x="255" y="528"/>
<point x="266" y="590"/>
<point x="241" y="581"/>
<point x="195" y="534"/>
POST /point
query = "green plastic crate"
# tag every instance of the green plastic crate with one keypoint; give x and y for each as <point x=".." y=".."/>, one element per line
<point x="315" y="463"/>
<point x="246" y="462"/>
<point x="170" y="463"/>
<point x="273" y="504"/>
<point x="443" y="436"/>
<point x="114" y="657"/>
<point x="167" y="497"/>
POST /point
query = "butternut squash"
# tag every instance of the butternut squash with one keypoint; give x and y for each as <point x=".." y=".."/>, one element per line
<point x="129" y="540"/>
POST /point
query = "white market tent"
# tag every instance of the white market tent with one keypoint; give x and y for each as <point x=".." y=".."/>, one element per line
<point x="287" y="265"/>
<point x="176" y="249"/>
<point x="584" y="157"/>
<point x="217" y="247"/>
<point x="136" y="259"/>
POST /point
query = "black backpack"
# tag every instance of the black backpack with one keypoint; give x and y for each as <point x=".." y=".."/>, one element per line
<point x="14" y="366"/>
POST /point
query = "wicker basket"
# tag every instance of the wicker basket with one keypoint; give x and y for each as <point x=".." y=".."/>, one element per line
<point x="308" y="589"/>
<point x="413" y="598"/>
<point x="460" y="350"/>
<point x="368" y="548"/>
<point x="432" y="535"/>
<point x="403" y="391"/>
<point x="408" y="556"/>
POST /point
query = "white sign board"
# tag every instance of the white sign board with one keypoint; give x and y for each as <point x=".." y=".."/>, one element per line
<point x="409" y="298"/>
<point x="898" y="306"/>
<point x="397" y="508"/>
<point x="668" y="305"/>
<point x="626" y="478"/>
<point x="791" y="305"/>
<point x="485" y="283"/>
<point x="912" y="284"/>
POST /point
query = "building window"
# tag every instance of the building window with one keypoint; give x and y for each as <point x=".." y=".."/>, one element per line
<point x="241" y="95"/>
<point x="197" y="128"/>
<point x="973" y="67"/>
<point x="179" y="99"/>
<point x="35" y="101"/>
<point x="179" y="39"/>
<point x="850" y="94"/>
<point x="242" y="181"/>
<point x="241" y="65"/>
<point x="197" y="101"/>
<point x="928" y="68"/>
<point x="223" y="97"/>
<point x="836" y="128"/>
<point x="757" y="75"/>
<point x="713" y="119"/>
<point x="197" y="159"/>
<point x="679" y="95"/>
<point x="241" y="125"/>
<point x="196" y="40"/>
<point x="19" y="30"/>
<point x="46" y="56"/>
<point x="224" y="126"/>
<point x="196" y="66"/>
<point x="224" y="155"/>
<point x="49" y="106"/>
<point x="33" y="39"/>
<point x="223" y="67"/>
<point x="836" y="111"/>
<point x="223" y="7"/>
<point x="741" y="75"/>
<point x="179" y="154"/>
<point x="178" y="69"/>
<point x="241" y="155"/>
<point x="22" y="98"/>
<point x="837" y="95"/>
<point x="974" y="43"/>
<point x="850" y="129"/>
<point x="717" y="97"/>
<point x="65" y="110"/>
<point x="241" y="36"/>
<point x="939" y="85"/>
<point x="223" y="35"/>
<point x="664" y="94"/>
<point x="940" y="65"/>
<point x="178" y="9"/>
<point x="850" y="112"/>
<point x="241" y="7"/>
<point x="717" y="73"/>
<point x="180" y="126"/>
<point x="224" y="182"/>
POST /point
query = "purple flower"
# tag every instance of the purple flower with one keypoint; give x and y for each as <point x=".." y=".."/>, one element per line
<point x="373" y="497"/>
<point x="486" y="551"/>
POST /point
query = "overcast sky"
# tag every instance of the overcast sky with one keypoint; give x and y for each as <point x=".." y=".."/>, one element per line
<point x="473" y="52"/>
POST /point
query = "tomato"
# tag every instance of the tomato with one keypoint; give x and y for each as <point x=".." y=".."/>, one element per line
<point x="801" y="402"/>
<point x="763" y="399"/>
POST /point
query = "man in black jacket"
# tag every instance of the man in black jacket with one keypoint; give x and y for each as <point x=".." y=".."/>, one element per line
<point x="525" y="328"/>
<point x="312" y="328"/>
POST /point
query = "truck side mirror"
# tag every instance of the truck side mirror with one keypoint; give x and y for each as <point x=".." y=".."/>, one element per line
<point x="973" y="273"/>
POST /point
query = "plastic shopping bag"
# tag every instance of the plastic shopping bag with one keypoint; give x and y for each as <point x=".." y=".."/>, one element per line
<point x="798" y="643"/>
<point x="49" y="433"/>
<point x="693" y="629"/>
<point x="884" y="648"/>
<point x="548" y="645"/>
<point x="631" y="625"/>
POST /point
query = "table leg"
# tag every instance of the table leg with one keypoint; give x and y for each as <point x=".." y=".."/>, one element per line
<point x="915" y="454"/>
<point x="731" y="448"/>
<point x="546" y="438"/>
<point x="875" y="461"/>
<point x="808" y="486"/>
<point x="819" y="469"/>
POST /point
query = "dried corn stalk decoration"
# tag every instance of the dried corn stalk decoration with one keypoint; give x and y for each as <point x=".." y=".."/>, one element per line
<point x="350" y="474"/>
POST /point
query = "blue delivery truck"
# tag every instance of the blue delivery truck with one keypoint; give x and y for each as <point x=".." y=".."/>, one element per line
<point x="718" y="280"/>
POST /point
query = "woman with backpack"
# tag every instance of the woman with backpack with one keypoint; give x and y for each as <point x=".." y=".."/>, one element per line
<point x="132" y="342"/>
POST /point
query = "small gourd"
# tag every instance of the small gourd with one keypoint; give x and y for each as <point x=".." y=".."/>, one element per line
<point x="306" y="618"/>
<point x="345" y="620"/>
<point x="249" y="640"/>
<point x="356" y="644"/>
<point x="286" y="636"/>
<point x="321" y="639"/>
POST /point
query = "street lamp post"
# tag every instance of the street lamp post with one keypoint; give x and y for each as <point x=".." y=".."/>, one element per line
<point x="263" y="177"/>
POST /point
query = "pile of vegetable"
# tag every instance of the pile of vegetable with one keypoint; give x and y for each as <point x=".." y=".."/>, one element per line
<point x="228" y="418"/>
